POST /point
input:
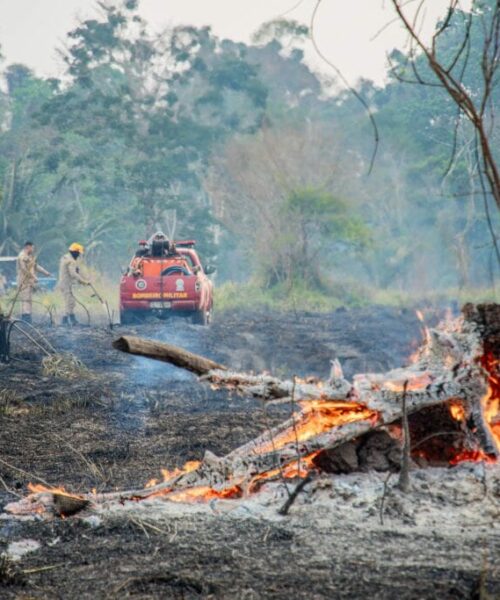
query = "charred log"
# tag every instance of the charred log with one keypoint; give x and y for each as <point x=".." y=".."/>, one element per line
<point x="355" y="415"/>
<point x="167" y="353"/>
<point x="66" y="506"/>
<point x="487" y="319"/>
<point x="374" y="451"/>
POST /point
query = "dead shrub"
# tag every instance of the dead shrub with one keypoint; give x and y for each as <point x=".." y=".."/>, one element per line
<point x="65" y="366"/>
<point x="9" y="573"/>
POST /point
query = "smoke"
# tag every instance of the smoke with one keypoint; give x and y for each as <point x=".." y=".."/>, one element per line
<point x="178" y="332"/>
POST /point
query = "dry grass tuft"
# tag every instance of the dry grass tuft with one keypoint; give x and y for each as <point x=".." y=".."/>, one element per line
<point x="9" y="401"/>
<point x="9" y="573"/>
<point x="65" y="366"/>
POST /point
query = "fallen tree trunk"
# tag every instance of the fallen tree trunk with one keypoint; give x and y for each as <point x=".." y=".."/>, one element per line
<point x="449" y="373"/>
<point x="429" y="382"/>
<point x="167" y="353"/>
<point x="338" y="411"/>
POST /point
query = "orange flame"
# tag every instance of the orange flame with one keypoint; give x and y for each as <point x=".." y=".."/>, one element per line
<point x="472" y="456"/>
<point x="37" y="488"/>
<point x="418" y="382"/>
<point x="317" y="417"/>
<point x="203" y="493"/>
<point x="491" y="400"/>
<point x="299" y="467"/>
<point x="191" y="465"/>
<point x="424" y="349"/>
<point x="491" y="411"/>
<point x="457" y="411"/>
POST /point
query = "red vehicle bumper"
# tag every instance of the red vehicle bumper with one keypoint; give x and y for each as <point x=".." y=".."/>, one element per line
<point x="176" y="295"/>
<point x="155" y="305"/>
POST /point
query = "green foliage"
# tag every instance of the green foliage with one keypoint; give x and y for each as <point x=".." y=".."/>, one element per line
<point x="314" y="216"/>
<point x="136" y="125"/>
<point x="249" y="296"/>
<point x="231" y="296"/>
<point x="323" y="212"/>
<point x="120" y="145"/>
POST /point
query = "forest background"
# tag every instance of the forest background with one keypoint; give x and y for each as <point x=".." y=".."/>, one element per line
<point x="264" y="162"/>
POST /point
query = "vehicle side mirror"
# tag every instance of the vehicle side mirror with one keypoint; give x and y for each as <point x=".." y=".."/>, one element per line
<point x="209" y="269"/>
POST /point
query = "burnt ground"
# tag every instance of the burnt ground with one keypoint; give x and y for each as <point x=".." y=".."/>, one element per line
<point x="117" y="426"/>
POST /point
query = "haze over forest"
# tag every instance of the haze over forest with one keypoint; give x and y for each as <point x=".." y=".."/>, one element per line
<point x="268" y="172"/>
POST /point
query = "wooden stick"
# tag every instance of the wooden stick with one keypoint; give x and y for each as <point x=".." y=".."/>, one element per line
<point x="283" y="511"/>
<point x="404" y="476"/>
<point x="30" y="475"/>
<point x="41" y="569"/>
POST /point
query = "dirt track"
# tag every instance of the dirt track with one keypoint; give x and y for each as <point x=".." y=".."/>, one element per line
<point x="135" y="416"/>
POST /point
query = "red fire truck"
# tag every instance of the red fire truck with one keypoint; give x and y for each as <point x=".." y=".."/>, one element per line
<point x="166" y="278"/>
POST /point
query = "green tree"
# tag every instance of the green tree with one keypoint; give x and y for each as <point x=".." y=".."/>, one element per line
<point x="286" y="195"/>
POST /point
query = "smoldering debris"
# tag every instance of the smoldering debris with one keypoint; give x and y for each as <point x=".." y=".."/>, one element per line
<point x="232" y="548"/>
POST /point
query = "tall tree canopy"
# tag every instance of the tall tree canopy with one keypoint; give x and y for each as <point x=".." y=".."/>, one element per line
<point x="263" y="168"/>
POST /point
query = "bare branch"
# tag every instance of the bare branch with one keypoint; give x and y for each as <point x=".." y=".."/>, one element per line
<point x="355" y="93"/>
<point x="487" y="207"/>
<point x="404" y="476"/>
<point x="474" y="110"/>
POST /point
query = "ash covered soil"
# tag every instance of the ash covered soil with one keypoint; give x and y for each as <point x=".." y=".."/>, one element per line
<point x="117" y="426"/>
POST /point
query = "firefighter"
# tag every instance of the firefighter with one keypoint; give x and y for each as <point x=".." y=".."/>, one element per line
<point x="69" y="273"/>
<point x="143" y="249"/>
<point x="27" y="269"/>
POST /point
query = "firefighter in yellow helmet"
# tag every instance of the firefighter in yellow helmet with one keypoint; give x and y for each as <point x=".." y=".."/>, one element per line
<point x="69" y="273"/>
<point x="27" y="269"/>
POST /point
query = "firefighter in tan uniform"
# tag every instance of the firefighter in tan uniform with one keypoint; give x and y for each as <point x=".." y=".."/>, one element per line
<point x="69" y="273"/>
<point x="27" y="269"/>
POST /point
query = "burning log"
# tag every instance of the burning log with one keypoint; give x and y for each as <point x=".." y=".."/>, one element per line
<point x="167" y="353"/>
<point x="448" y="373"/>
<point x="45" y="500"/>
<point x="451" y="392"/>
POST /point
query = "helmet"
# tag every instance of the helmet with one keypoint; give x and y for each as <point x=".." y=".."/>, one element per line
<point x="76" y="248"/>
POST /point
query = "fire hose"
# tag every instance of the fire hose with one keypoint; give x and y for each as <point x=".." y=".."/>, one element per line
<point x="95" y="294"/>
<point x="104" y="303"/>
<point x="83" y="306"/>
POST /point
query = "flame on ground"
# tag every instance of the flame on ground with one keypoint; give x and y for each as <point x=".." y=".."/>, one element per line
<point x="204" y="493"/>
<point x="315" y="418"/>
<point x="457" y="411"/>
<point x="299" y="467"/>
<point x="491" y="411"/>
<point x="37" y="488"/>
<point x="191" y="465"/>
<point x="472" y="456"/>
